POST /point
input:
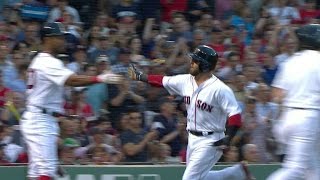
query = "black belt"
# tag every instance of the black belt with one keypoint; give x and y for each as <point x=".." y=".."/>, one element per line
<point x="200" y="133"/>
<point x="302" y="108"/>
<point x="54" y="114"/>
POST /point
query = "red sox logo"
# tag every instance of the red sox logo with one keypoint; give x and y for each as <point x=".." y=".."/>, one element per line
<point x="200" y="104"/>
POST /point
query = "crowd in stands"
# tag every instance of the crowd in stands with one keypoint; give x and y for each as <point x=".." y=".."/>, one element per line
<point x="134" y="122"/>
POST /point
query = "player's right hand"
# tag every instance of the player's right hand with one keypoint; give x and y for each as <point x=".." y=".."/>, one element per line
<point x="110" y="78"/>
<point x="135" y="74"/>
<point x="131" y="73"/>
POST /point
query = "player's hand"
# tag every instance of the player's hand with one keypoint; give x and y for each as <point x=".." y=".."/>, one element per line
<point x="223" y="144"/>
<point x="110" y="78"/>
<point x="134" y="74"/>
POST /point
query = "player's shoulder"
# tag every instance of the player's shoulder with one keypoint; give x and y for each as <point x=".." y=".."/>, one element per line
<point x="179" y="77"/>
<point x="43" y="60"/>
<point x="221" y="86"/>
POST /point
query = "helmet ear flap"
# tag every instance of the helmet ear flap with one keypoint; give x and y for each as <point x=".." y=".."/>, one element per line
<point x="204" y="66"/>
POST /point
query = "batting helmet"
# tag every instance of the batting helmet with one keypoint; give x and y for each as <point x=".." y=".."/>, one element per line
<point x="52" y="29"/>
<point x="309" y="36"/>
<point x="206" y="56"/>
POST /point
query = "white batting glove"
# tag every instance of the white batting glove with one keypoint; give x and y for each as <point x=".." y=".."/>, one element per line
<point x="110" y="78"/>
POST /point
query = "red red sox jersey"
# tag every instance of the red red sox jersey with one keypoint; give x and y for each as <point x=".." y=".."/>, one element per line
<point x="208" y="105"/>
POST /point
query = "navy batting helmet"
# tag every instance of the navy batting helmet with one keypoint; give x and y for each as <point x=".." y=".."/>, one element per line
<point x="52" y="29"/>
<point x="309" y="36"/>
<point x="206" y="56"/>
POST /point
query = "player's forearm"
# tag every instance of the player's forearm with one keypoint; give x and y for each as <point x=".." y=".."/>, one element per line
<point x="153" y="80"/>
<point x="234" y="123"/>
<point x="81" y="80"/>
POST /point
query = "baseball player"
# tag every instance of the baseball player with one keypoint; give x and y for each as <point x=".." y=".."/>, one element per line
<point x="296" y="86"/>
<point x="46" y="78"/>
<point x="210" y="103"/>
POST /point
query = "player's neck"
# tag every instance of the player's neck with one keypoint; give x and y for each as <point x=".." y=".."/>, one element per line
<point x="200" y="78"/>
<point x="47" y="49"/>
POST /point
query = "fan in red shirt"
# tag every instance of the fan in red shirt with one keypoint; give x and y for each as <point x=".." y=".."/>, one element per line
<point x="217" y="41"/>
<point x="171" y="6"/>
<point x="309" y="11"/>
<point x="78" y="106"/>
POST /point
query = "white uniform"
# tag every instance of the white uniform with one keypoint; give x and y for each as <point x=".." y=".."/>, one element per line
<point x="299" y="126"/>
<point x="46" y="78"/>
<point x="208" y="107"/>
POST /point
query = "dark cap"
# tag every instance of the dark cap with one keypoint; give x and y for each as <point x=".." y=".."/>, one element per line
<point x="53" y="29"/>
<point x="125" y="51"/>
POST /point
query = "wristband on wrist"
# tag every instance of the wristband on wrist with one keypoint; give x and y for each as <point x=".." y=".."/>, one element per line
<point x="95" y="79"/>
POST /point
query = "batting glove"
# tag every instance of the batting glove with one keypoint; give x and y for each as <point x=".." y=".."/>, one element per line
<point x="134" y="74"/>
<point x="110" y="78"/>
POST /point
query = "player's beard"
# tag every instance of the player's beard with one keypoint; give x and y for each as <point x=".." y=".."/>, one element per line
<point x="194" y="71"/>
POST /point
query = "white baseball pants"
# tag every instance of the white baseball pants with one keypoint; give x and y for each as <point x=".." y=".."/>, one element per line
<point x="299" y="130"/>
<point x="40" y="132"/>
<point x="201" y="156"/>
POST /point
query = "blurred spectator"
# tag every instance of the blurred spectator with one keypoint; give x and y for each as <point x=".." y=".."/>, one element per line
<point x="264" y="112"/>
<point x="78" y="105"/>
<point x="3" y="159"/>
<point x="180" y="29"/>
<point x="136" y="141"/>
<point x="250" y="153"/>
<point x="283" y="12"/>
<point x="161" y="154"/>
<point x="232" y="155"/>
<point x="11" y="151"/>
<point x="86" y="9"/>
<point x="105" y="47"/>
<point x="170" y="131"/>
<point x="97" y="94"/>
<point x="169" y="7"/>
<point x="231" y="67"/>
<point x="308" y="12"/>
<point x="4" y="92"/>
<point x="12" y="78"/>
<point x="98" y="142"/>
<point x="269" y="68"/>
<point x="14" y="107"/>
<point x="149" y="9"/>
<point x="100" y="155"/>
<point x="67" y="152"/>
<point x="198" y="39"/>
<point x="56" y="14"/>
<point x="122" y="98"/>
<point x="80" y="59"/>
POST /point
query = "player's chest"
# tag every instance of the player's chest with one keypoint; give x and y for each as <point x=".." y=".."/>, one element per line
<point x="203" y="100"/>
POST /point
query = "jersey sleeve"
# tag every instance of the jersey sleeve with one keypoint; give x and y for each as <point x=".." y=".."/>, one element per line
<point x="57" y="73"/>
<point x="174" y="84"/>
<point x="228" y="102"/>
<point x="280" y="78"/>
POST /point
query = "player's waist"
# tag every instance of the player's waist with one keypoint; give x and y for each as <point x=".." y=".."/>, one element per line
<point x="203" y="133"/>
<point x="52" y="112"/>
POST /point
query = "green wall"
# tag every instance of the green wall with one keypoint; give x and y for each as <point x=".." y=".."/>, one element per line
<point x="127" y="172"/>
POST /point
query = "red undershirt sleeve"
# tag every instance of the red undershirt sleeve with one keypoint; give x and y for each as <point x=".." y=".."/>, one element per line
<point x="234" y="120"/>
<point x="155" y="80"/>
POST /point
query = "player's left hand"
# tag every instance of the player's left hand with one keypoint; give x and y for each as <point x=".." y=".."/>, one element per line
<point x="223" y="144"/>
<point x="110" y="78"/>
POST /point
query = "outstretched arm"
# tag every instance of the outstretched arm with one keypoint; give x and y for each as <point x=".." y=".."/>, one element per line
<point x="154" y="80"/>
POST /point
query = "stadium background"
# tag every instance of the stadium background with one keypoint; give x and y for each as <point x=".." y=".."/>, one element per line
<point x="252" y="37"/>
